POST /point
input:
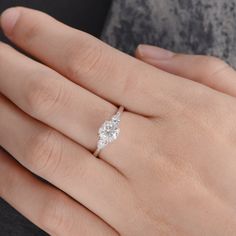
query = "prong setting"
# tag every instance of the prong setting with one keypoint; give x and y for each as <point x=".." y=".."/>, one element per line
<point x="109" y="131"/>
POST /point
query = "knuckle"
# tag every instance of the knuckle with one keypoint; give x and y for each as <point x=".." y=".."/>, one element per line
<point x="55" y="216"/>
<point x="44" y="153"/>
<point x="43" y="95"/>
<point x="86" y="60"/>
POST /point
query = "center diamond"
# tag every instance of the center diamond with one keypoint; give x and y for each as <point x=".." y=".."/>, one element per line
<point x="109" y="131"/>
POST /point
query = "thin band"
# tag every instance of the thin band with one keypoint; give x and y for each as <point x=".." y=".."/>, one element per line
<point x="109" y="131"/>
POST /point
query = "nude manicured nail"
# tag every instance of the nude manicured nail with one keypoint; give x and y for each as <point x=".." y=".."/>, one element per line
<point x="8" y="19"/>
<point x="154" y="53"/>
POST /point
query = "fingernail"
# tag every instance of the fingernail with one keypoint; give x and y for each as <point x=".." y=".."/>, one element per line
<point x="154" y="53"/>
<point x="8" y="19"/>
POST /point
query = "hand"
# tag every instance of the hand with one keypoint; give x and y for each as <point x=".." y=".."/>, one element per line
<point x="170" y="172"/>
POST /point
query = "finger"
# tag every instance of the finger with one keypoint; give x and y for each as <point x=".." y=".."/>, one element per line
<point x="59" y="103"/>
<point x="52" y="99"/>
<point x="87" y="61"/>
<point x="66" y="165"/>
<point x="45" y="206"/>
<point x="207" y="70"/>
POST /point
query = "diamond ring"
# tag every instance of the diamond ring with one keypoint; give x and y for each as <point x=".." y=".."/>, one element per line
<point x="109" y="131"/>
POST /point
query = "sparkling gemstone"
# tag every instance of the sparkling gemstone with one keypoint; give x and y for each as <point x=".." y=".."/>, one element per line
<point x="109" y="131"/>
<point x="102" y="143"/>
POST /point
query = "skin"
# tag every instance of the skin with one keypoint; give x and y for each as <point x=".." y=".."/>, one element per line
<point x="170" y="172"/>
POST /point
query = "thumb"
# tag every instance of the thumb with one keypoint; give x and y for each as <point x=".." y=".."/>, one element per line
<point x="207" y="70"/>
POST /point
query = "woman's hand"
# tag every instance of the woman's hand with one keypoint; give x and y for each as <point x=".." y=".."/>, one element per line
<point x="170" y="172"/>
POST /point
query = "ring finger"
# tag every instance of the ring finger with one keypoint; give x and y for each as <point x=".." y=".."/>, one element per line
<point x="74" y="111"/>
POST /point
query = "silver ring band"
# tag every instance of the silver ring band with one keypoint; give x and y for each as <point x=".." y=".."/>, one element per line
<point x="109" y="131"/>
